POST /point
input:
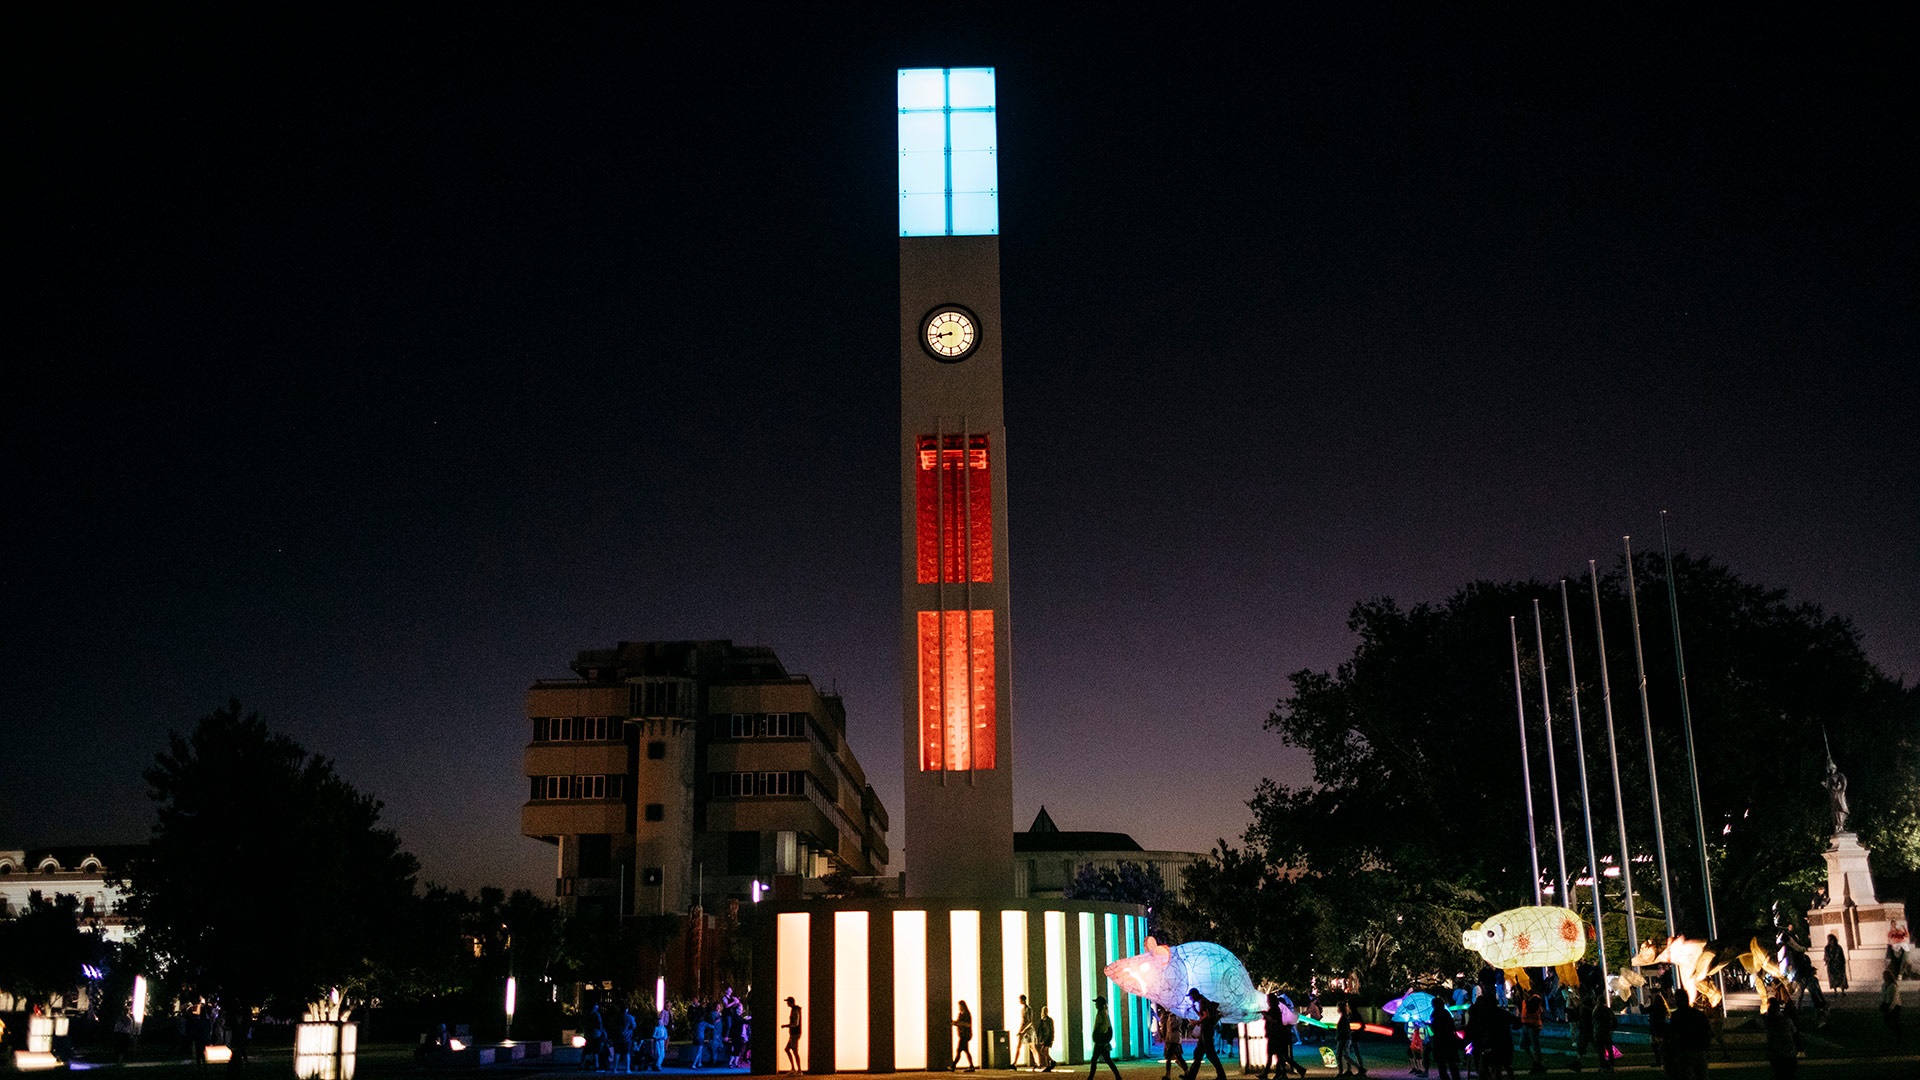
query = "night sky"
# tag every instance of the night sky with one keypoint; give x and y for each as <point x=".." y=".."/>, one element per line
<point x="366" y="365"/>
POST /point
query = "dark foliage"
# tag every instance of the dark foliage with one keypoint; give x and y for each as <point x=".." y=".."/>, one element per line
<point x="1416" y="815"/>
<point x="268" y="877"/>
<point x="44" y="949"/>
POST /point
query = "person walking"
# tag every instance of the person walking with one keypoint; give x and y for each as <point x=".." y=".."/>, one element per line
<point x="623" y="1026"/>
<point x="596" y="1034"/>
<point x="963" y="1033"/>
<point x="1280" y="1019"/>
<point x="1102" y="1040"/>
<point x="1603" y="1032"/>
<point x="1024" y="1048"/>
<point x="1783" y="1051"/>
<point x="1688" y="1035"/>
<point x="1445" y="1043"/>
<point x="1203" y="1048"/>
<point x="1657" y="1026"/>
<point x="1043" y="1039"/>
<point x="1533" y="1018"/>
<point x="1173" y="1028"/>
<point x="793" y="1034"/>
<point x="1580" y="1016"/>
<point x="1346" y="1048"/>
<point x="1490" y="1030"/>
<point x="663" y="1027"/>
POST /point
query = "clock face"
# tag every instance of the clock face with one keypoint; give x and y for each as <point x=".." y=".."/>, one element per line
<point x="950" y="334"/>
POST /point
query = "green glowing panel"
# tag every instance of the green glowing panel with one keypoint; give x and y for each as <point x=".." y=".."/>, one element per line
<point x="949" y="153"/>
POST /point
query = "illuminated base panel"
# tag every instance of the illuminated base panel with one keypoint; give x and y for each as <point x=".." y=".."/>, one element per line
<point x="879" y="982"/>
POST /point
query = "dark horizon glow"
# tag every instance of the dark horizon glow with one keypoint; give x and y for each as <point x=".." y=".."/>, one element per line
<point x="370" y="369"/>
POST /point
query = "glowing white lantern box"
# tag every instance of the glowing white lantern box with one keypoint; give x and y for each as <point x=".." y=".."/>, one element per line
<point x="323" y="1050"/>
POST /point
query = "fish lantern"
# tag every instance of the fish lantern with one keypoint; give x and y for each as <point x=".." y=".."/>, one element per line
<point x="1163" y="975"/>
<point x="1414" y="1008"/>
<point x="1525" y="937"/>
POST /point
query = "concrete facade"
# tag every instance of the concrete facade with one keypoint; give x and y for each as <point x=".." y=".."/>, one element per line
<point x="959" y="820"/>
<point x="670" y="773"/>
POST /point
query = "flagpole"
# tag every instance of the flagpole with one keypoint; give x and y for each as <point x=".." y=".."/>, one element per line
<point x="1553" y="770"/>
<point x="1586" y="808"/>
<point x="1686" y="724"/>
<point x="1613" y="761"/>
<point x="1653" y="771"/>
<point x="1526" y="771"/>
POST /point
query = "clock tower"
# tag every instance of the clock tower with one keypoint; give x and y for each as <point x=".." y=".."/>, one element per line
<point x="956" y="635"/>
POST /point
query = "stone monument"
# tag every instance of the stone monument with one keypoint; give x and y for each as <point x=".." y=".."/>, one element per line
<point x="1864" y="924"/>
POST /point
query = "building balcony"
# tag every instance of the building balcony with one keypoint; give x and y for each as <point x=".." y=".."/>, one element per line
<point x="559" y="759"/>
<point x="565" y="817"/>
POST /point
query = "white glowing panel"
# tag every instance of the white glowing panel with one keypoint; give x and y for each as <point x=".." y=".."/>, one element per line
<point x="1114" y="1000"/>
<point x="1013" y="972"/>
<point x="949" y="152"/>
<point x="790" y="976"/>
<point x="1054" y="925"/>
<point x="325" y="1050"/>
<point x="1136" y="1008"/>
<point x="1089" y="972"/>
<point x="966" y="969"/>
<point x="849" y="991"/>
<point x="909" y="989"/>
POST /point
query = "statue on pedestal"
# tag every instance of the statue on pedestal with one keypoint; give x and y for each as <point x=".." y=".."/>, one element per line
<point x="1836" y="785"/>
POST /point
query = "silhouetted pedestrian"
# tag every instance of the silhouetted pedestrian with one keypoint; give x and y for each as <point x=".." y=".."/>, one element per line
<point x="963" y="1035"/>
<point x="1043" y="1039"/>
<point x="1445" y="1043"/>
<point x="1102" y="1040"/>
<point x="1203" y="1048"/>
<point x="793" y="1034"/>
<point x="1836" y="958"/>
<point x="1173" y="1028"/>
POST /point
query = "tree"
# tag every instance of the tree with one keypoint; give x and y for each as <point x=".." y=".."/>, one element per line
<point x="46" y="949"/>
<point x="1129" y="882"/>
<point x="1417" y="810"/>
<point x="268" y="877"/>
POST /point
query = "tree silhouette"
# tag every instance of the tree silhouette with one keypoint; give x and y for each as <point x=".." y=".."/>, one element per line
<point x="268" y="878"/>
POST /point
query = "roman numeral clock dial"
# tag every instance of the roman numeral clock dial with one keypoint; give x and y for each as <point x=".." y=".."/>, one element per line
<point x="949" y="333"/>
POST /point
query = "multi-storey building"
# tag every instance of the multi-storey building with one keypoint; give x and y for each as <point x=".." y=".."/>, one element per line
<point x="86" y="873"/>
<point x="669" y="773"/>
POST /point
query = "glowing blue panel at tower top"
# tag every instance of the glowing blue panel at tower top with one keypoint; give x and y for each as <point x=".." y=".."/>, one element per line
<point x="949" y="153"/>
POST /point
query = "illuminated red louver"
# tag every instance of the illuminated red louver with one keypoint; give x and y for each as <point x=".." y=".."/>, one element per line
<point x="953" y="499"/>
<point x="956" y="690"/>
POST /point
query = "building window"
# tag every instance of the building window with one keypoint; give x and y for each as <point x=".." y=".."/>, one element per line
<point x="953" y="502"/>
<point x="657" y="750"/>
<point x="656" y="811"/>
<point x="956" y="690"/>
<point x="740" y="726"/>
<point x="741" y="785"/>
<point x="573" y="729"/>
<point x="783" y="725"/>
<point x="585" y="786"/>
<point x="659" y="698"/>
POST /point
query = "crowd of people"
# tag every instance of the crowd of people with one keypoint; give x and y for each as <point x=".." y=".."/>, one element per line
<point x="627" y="1038"/>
